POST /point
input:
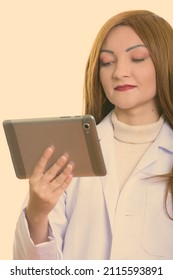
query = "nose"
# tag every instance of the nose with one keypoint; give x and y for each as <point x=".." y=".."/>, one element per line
<point x="121" y="70"/>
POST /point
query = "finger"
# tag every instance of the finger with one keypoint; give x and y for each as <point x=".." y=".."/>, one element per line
<point x="60" y="179"/>
<point x="41" y="164"/>
<point x="56" y="168"/>
<point x="64" y="186"/>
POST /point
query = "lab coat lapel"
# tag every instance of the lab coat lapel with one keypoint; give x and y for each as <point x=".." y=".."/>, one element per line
<point x="149" y="157"/>
<point x="110" y="181"/>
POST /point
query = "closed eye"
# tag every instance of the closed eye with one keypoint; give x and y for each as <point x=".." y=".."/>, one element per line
<point x="103" y="64"/>
<point x="137" y="60"/>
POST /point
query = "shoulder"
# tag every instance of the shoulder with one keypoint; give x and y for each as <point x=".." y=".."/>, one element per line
<point x="105" y="126"/>
<point x="166" y="137"/>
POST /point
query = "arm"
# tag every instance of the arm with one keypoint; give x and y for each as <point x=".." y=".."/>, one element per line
<point x="44" y="193"/>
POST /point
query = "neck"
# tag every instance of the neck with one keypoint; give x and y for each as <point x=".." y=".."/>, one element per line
<point x="137" y="117"/>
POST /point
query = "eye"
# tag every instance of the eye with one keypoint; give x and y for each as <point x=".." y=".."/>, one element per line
<point x="137" y="60"/>
<point x="104" y="64"/>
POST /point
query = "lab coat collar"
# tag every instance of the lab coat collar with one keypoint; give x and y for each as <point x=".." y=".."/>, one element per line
<point x="163" y="141"/>
<point x="105" y="126"/>
<point x="166" y="138"/>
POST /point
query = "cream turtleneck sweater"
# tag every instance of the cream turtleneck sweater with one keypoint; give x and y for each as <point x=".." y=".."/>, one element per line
<point x="131" y="142"/>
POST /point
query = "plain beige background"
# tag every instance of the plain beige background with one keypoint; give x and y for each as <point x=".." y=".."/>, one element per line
<point x="44" y="46"/>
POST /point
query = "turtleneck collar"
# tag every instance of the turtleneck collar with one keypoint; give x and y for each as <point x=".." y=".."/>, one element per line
<point x="138" y="134"/>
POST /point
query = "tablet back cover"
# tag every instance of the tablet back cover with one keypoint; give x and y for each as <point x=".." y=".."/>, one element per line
<point x="27" y="139"/>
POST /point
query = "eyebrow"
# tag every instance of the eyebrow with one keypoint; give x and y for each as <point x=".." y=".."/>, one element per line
<point x="127" y="50"/>
<point x="134" y="47"/>
<point x="108" y="51"/>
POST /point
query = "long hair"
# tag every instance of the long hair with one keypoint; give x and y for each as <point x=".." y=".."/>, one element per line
<point x="157" y="35"/>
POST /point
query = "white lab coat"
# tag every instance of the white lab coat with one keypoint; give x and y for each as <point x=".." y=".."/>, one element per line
<point x="95" y="220"/>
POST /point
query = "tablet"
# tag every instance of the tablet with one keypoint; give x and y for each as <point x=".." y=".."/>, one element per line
<point x="77" y="136"/>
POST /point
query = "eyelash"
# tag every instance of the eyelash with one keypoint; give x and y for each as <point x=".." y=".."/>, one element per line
<point x="136" y="60"/>
<point x="105" y="63"/>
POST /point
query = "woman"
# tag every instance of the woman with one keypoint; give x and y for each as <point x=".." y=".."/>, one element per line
<point x="128" y="213"/>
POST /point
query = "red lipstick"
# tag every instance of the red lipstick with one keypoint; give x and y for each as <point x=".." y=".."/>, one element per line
<point x="124" y="87"/>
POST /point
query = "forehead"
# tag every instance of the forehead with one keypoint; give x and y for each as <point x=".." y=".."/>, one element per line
<point x="121" y="36"/>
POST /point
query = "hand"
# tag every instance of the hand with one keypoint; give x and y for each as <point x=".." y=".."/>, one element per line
<point x="45" y="190"/>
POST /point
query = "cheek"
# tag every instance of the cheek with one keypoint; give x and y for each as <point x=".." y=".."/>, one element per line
<point x="148" y="80"/>
<point x="104" y="78"/>
<point x="152" y="82"/>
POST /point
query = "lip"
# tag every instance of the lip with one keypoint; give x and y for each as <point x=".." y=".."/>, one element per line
<point x="124" y="87"/>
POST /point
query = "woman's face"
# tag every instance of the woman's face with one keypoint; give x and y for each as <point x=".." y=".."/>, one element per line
<point x="127" y="73"/>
